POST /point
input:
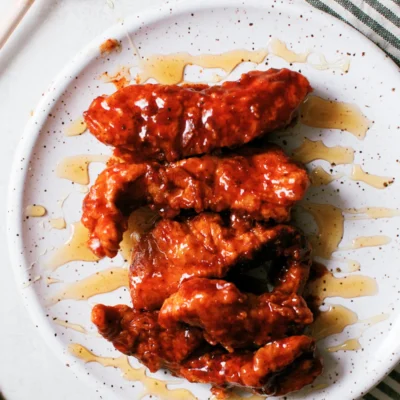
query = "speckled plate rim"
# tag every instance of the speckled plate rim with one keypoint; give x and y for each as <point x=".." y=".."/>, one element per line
<point x="31" y="134"/>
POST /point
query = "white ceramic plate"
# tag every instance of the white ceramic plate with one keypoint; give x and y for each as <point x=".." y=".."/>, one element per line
<point x="214" y="27"/>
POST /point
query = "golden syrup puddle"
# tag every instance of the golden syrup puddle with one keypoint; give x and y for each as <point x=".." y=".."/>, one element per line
<point x="354" y="344"/>
<point x="367" y="241"/>
<point x="319" y="177"/>
<point x="58" y="223"/>
<point x="152" y="386"/>
<point x="121" y="78"/>
<point x="101" y="282"/>
<point x="75" y="249"/>
<point x="332" y="321"/>
<point x="320" y="113"/>
<point x="169" y="69"/>
<point x="330" y="222"/>
<point x="378" y="182"/>
<point x="347" y="287"/>
<point x="76" y="127"/>
<point x="76" y="168"/>
<point x="35" y="210"/>
<point x="69" y="325"/>
<point x="316" y="150"/>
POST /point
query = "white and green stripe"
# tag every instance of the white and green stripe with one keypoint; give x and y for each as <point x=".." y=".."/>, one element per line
<point x="378" y="20"/>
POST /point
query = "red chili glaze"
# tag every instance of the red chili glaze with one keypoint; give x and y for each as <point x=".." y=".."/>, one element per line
<point x="205" y="246"/>
<point x="161" y="122"/>
<point x="256" y="183"/>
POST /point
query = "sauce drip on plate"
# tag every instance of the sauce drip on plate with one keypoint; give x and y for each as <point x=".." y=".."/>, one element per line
<point x="76" y="168"/>
<point x="378" y="182"/>
<point x="75" y="249"/>
<point x="101" y="282"/>
<point x="320" y="113"/>
<point x="152" y="386"/>
<point x="316" y="150"/>
<point x="76" y="127"/>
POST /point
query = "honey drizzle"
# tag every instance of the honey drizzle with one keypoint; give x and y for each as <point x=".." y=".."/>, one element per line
<point x="347" y="287"/>
<point x="75" y="249"/>
<point x="76" y="168"/>
<point x="367" y="241"/>
<point x="58" y="223"/>
<point x="319" y="177"/>
<point x="101" y="282"/>
<point x="152" y="386"/>
<point x="321" y="113"/>
<point x="76" y="127"/>
<point x="169" y="69"/>
<point x="332" y="321"/>
<point x="378" y="182"/>
<point x="349" y="345"/>
<point x="35" y="210"/>
<point x="316" y="150"/>
<point x="371" y="213"/>
<point x="330" y="222"/>
<point x="354" y="343"/>
<point x="279" y="49"/>
<point x="69" y="325"/>
<point x="323" y="64"/>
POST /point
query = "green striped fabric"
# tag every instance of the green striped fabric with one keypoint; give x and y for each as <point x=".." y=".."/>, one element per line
<point x="378" y="20"/>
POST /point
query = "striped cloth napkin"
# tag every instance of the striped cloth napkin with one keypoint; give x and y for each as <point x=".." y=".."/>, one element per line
<point x="380" y="22"/>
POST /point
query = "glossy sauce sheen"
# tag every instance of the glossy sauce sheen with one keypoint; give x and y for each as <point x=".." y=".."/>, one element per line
<point x="104" y="281"/>
<point x="257" y="183"/>
<point x="152" y="386"/>
<point x="321" y="113"/>
<point x="159" y="122"/>
<point x="316" y="150"/>
<point x="75" y="249"/>
<point x="371" y="213"/>
<point x="76" y="168"/>
<point x="69" y="325"/>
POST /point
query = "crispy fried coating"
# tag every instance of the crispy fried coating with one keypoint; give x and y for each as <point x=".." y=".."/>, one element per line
<point x="163" y="122"/>
<point x="207" y="246"/>
<point x="277" y="368"/>
<point x="139" y="334"/>
<point x="262" y="184"/>
<point x="232" y="318"/>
